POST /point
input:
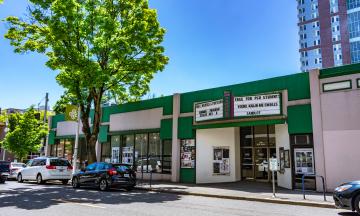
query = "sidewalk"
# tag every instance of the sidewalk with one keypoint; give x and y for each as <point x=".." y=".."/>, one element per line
<point x="251" y="191"/>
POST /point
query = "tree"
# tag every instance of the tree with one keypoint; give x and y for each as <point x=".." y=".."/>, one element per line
<point x="64" y="100"/>
<point x="96" y="46"/>
<point x="24" y="133"/>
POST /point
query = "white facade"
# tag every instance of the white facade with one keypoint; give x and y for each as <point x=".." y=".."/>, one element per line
<point x="206" y="141"/>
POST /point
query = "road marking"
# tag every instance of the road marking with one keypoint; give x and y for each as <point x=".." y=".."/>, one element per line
<point x="79" y="203"/>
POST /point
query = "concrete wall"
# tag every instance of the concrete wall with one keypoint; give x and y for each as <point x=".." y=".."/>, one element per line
<point x="206" y="140"/>
<point x="282" y="139"/>
<point x="68" y="128"/>
<point x="341" y="131"/>
<point x="145" y="119"/>
<point x="336" y="130"/>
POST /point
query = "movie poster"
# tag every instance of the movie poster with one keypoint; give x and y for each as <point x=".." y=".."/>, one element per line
<point x="221" y="161"/>
<point x="187" y="153"/>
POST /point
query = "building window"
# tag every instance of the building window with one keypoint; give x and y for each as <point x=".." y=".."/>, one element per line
<point x="355" y="51"/>
<point x="146" y="151"/>
<point x="358" y="83"/>
<point x="301" y="139"/>
<point x="334" y="86"/>
<point x="106" y="152"/>
<point x="351" y="4"/>
<point x="354" y="24"/>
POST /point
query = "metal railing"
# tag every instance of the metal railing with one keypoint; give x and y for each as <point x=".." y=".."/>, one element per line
<point x="319" y="176"/>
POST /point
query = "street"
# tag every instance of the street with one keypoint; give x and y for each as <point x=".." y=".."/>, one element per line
<point x="55" y="199"/>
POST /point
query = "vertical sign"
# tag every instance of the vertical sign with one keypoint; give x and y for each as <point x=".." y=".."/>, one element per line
<point x="227" y="104"/>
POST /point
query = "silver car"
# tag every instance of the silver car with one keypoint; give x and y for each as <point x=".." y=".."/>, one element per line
<point x="14" y="169"/>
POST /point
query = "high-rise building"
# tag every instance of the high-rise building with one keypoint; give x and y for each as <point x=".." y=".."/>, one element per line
<point x="329" y="33"/>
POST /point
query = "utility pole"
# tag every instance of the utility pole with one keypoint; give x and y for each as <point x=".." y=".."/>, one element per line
<point x="45" y="145"/>
<point x="46" y="105"/>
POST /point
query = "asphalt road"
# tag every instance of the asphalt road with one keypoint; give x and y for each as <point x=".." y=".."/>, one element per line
<point x="29" y="199"/>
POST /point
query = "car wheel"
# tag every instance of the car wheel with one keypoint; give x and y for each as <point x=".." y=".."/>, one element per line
<point x="65" y="182"/>
<point x="357" y="204"/>
<point x="39" y="179"/>
<point x="75" y="183"/>
<point x="19" y="178"/>
<point x="103" y="185"/>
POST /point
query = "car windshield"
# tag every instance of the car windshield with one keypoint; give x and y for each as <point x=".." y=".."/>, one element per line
<point x="59" y="162"/>
<point x="122" y="167"/>
<point x="4" y="166"/>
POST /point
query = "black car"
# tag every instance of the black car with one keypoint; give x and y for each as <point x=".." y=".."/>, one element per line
<point x="4" y="171"/>
<point x="106" y="175"/>
<point x="347" y="196"/>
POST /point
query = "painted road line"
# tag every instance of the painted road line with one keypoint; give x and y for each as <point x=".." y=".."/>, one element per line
<point x="79" y="203"/>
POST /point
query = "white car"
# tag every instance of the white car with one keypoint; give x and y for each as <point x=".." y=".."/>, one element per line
<point x="42" y="169"/>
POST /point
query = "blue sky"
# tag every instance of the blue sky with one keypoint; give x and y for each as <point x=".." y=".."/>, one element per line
<point x="210" y="43"/>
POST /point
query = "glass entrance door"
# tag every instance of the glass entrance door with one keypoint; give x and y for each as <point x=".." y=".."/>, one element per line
<point x="257" y="145"/>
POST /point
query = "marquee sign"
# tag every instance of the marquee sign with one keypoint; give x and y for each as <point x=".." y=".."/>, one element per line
<point x="209" y="110"/>
<point x="257" y="105"/>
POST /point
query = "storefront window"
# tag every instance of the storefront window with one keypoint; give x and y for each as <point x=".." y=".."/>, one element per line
<point x="68" y="146"/>
<point x="53" y="150"/>
<point x="272" y="135"/>
<point x="154" y="154"/>
<point x="106" y="152"/>
<point x="115" y="149"/>
<point x="166" y="157"/>
<point x="260" y="136"/>
<point x="60" y="149"/>
<point x="127" y="149"/>
<point x="151" y="154"/>
<point x="141" y="147"/>
<point x="246" y="136"/>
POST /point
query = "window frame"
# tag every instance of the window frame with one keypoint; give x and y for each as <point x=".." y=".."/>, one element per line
<point x="339" y="89"/>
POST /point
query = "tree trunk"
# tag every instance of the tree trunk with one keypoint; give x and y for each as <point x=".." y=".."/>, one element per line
<point x="91" y="134"/>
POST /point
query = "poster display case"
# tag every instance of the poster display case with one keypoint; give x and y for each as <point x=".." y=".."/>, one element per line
<point x="187" y="153"/>
<point x="221" y="161"/>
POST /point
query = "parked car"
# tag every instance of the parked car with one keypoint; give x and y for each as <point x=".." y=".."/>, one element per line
<point x="42" y="169"/>
<point x="106" y="175"/>
<point x="14" y="169"/>
<point x="347" y="196"/>
<point x="4" y="171"/>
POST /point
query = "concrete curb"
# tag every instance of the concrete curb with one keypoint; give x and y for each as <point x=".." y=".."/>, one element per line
<point x="246" y="198"/>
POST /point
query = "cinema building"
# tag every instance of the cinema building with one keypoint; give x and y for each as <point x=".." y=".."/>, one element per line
<point x="309" y="121"/>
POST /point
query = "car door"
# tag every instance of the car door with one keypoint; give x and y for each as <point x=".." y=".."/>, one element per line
<point x="86" y="177"/>
<point x="32" y="172"/>
<point x="26" y="171"/>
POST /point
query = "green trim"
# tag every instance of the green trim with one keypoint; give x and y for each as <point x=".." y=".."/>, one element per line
<point x="342" y="81"/>
<point x="185" y="128"/>
<point x="69" y="137"/>
<point x="166" y="129"/>
<point x="163" y="102"/>
<point x="156" y="130"/>
<point x="187" y="175"/>
<point x="300" y="119"/>
<point x="298" y="86"/>
<point x="51" y="137"/>
<point x="240" y="124"/>
<point x="103" y="133"/>
<point x="55" y="119"/>
<point x="340" y="71"/>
